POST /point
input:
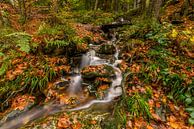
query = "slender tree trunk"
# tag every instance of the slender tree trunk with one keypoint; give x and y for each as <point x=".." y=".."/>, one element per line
<point x="186" y="7"/>
<point x="157" y="7"/>
<point x="96" y="5"/>
<point x="116" y="5"/>
<point x="150" y="7"/>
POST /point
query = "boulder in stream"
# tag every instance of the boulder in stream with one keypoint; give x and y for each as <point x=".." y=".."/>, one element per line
<point x="20" y="105"/>
<point x="103" y="70"/>
<point x="107" y="48"/>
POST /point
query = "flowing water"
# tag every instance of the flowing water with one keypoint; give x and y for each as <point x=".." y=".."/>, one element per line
<point x="75" y="88"/>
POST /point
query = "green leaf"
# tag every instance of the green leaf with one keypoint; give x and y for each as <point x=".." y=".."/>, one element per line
<point x="191" y="121"/>
<point x="190" y="109"/>
<point x="187" y="95"/>
<point x="188" y="100"/>
<point x="3" y="69"/>
<point x="25" y="47"/>
<point x="1" y="54"/>
<point x="192" y="114"/>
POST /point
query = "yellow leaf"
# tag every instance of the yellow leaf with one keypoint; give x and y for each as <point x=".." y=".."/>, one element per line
<point x="149" y="127"/>
<point x="174" y="125"/>
<point x="174" y="33"/>
<point x="187" y="32"/>
<point x="192" y="39"/>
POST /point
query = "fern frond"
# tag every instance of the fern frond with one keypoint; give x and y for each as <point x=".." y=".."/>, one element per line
<point x="23" y="43"/>
<point x="57" y="43"/>
<point x="17" y="34"/>
<point x="4" y="67"/>
<point x="16" y="39"/>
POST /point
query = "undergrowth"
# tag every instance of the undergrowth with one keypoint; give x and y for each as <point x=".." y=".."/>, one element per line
<point x="161" y="60"/>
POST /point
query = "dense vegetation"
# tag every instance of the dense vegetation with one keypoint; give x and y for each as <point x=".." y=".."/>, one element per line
<point x="39" y="39"/>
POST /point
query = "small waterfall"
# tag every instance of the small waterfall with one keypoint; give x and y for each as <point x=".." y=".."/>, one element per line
<point x="75" y="85"/>
<point x="94" y="60"/>
<point x="115" y="89"/>
<point x="85" y="60"/>
<point x="97" y="61"/>
<point x="116" y="55"/>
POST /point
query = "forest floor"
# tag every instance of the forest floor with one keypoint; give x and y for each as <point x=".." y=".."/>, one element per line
<point x="157" y="65"/>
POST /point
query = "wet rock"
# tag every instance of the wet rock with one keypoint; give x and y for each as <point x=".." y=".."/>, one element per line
<point x="15" y="113"/>
<point x="107" y="48"/>
<point x="99" y="87"/>
<point x="62" y="84"/>
<point x="71" y="50"/>
<point x="90" y="72"/>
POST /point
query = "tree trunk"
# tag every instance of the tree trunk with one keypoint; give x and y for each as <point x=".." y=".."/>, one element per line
<point x="157" y="7"/>
<point x="116" y="6"/>
<point x="136" y="4"/>
<point x="96" y="5"/>
<point x="186" y="7"/>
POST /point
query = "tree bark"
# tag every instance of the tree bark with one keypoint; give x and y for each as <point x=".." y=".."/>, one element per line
<point x="96" y="5"/>
<point x="157" y="7"/>
<point x="116" y="6"/>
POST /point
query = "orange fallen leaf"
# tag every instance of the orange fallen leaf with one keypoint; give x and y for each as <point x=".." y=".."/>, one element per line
<point x="149" y="127"/>
<point x="93" y="122"/>
<point x="64" y="122"/>
<point x="172" y="118"/>
<point x="155" y="116"/>
<point x="103" y="87"/>
<point x="174" y="125"/>
<point x="77" y="126"/>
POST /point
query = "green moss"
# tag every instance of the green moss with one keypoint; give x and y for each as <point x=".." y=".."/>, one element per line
<point x="107" y="49"/>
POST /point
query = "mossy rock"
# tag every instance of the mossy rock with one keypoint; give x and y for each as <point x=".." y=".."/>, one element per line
<point x="11" y="114"/>
<point x="90" y="72"/>
<point x="107" y="48"/>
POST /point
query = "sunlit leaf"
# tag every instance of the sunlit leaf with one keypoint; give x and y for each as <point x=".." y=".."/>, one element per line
<point x="1" y="54"/>
<point x="174" y="33"/>
<point x="192" y="39"/>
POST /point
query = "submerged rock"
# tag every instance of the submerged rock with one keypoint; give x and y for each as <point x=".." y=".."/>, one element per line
<point x="90" y="72"/>
<point x="64" y="84"/>
<point x="107" y="48"/>
<point x="20" y="105"/>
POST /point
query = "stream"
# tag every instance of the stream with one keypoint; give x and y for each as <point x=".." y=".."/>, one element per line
<point x="91" y="58"/>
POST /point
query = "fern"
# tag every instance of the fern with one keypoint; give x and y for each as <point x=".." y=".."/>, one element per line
<point x="57" y="43"/>
<point x="17" y="39"/>
<point x="138" y="106"/>
<point x="23" y="43"/>
<point x="4" y="66"/>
